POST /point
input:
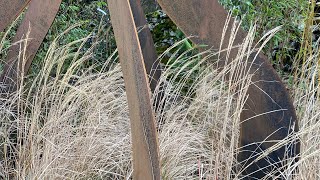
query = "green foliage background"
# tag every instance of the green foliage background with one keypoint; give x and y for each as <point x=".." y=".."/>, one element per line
<point x="267" y="14"/>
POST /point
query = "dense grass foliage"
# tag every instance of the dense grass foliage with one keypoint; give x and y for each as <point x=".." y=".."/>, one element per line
<point x="69" y="120"/>
<point x="75" y="124"/>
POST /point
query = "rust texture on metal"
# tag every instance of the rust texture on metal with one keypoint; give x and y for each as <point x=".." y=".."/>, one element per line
<point x="37" y="21"/>
<point x="9" y="10"/>
<point x="150" y="57"/>
<point x="143" y="131"/>
<point x="268" y="107"/>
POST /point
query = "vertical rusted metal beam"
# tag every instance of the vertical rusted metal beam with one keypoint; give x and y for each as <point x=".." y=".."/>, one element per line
<point x="9" y="10"/>
<point x="268" y="107"/>
<point x="143" y="131"/>
<point x="150" y="57"/>
<point x="38" y="19"/>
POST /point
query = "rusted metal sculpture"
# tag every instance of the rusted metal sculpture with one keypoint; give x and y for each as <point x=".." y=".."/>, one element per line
<point x="269" y="114"/>
<point x="35" y="26"/>
<point x="150" y="57"/>
<point x="143" y="131"/>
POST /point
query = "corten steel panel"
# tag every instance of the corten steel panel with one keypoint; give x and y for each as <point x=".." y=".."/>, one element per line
<point x="143" y="131"/>
<point x="9" y="10"/>
<point x="150" y="57"/>
<point x="206" y="19"/>
<point x="39" y="17"/>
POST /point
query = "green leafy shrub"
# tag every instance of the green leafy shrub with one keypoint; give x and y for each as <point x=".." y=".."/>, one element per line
<point x="268" y="14"/>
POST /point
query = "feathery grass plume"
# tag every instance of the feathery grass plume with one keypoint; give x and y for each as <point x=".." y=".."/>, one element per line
<point x="74" y="124"/>
<point x="306" y="100"/>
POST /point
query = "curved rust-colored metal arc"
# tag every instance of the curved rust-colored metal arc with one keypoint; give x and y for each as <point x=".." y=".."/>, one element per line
<point x="38" y="19"/>
<point x="269" y="106"/>
<point x="9" y="10"/>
